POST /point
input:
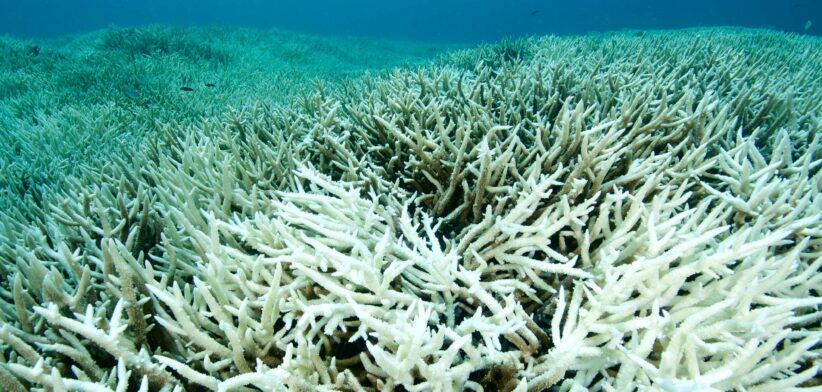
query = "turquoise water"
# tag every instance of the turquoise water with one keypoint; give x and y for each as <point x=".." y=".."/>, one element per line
<point x="454" y="20"/>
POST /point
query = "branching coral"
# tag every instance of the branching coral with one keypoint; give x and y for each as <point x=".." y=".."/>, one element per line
<point x="608" y="213"/>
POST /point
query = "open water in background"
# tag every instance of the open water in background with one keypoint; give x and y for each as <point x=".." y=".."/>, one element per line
<point x="457" y="21"/>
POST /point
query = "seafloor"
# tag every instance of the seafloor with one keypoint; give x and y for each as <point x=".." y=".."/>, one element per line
<point x="222" y="209"/>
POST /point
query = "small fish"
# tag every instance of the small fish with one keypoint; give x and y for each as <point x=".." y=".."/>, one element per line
<point x="210" y="85"/>
<point x="186" y="88"/>
<point x="808" y="25"/>
<point x="534" y="12"/>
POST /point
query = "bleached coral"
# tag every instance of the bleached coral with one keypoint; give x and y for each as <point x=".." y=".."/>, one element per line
<point x="607" y="213"/>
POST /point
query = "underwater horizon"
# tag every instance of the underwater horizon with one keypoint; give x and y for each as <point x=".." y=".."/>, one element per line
<point x="452" y="21"/>
<point x="358" y="196"/>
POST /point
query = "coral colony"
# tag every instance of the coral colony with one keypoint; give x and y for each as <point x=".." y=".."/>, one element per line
<point x="608" y="212"/>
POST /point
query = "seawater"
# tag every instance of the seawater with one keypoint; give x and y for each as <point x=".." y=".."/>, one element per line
<point x="428" y="20"/>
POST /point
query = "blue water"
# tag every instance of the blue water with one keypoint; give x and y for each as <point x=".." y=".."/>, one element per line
<point x="423" y="20"/>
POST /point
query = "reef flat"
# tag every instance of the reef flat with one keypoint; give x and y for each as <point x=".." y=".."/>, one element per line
<point x="70" y="101"/>
<point x="625" y="211"/>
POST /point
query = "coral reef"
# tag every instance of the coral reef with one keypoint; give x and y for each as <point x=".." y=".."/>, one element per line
<point x="612" y="212"/>
<point x="111" y="89"/>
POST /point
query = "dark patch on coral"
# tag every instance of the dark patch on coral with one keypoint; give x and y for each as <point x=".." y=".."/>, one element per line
<point x="342" y="348"/>
<point x="497" y="378"/>
<point x="33" y="50"/>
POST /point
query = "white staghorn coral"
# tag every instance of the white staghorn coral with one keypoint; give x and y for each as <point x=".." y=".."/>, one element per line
<point x="575" y="217"/>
